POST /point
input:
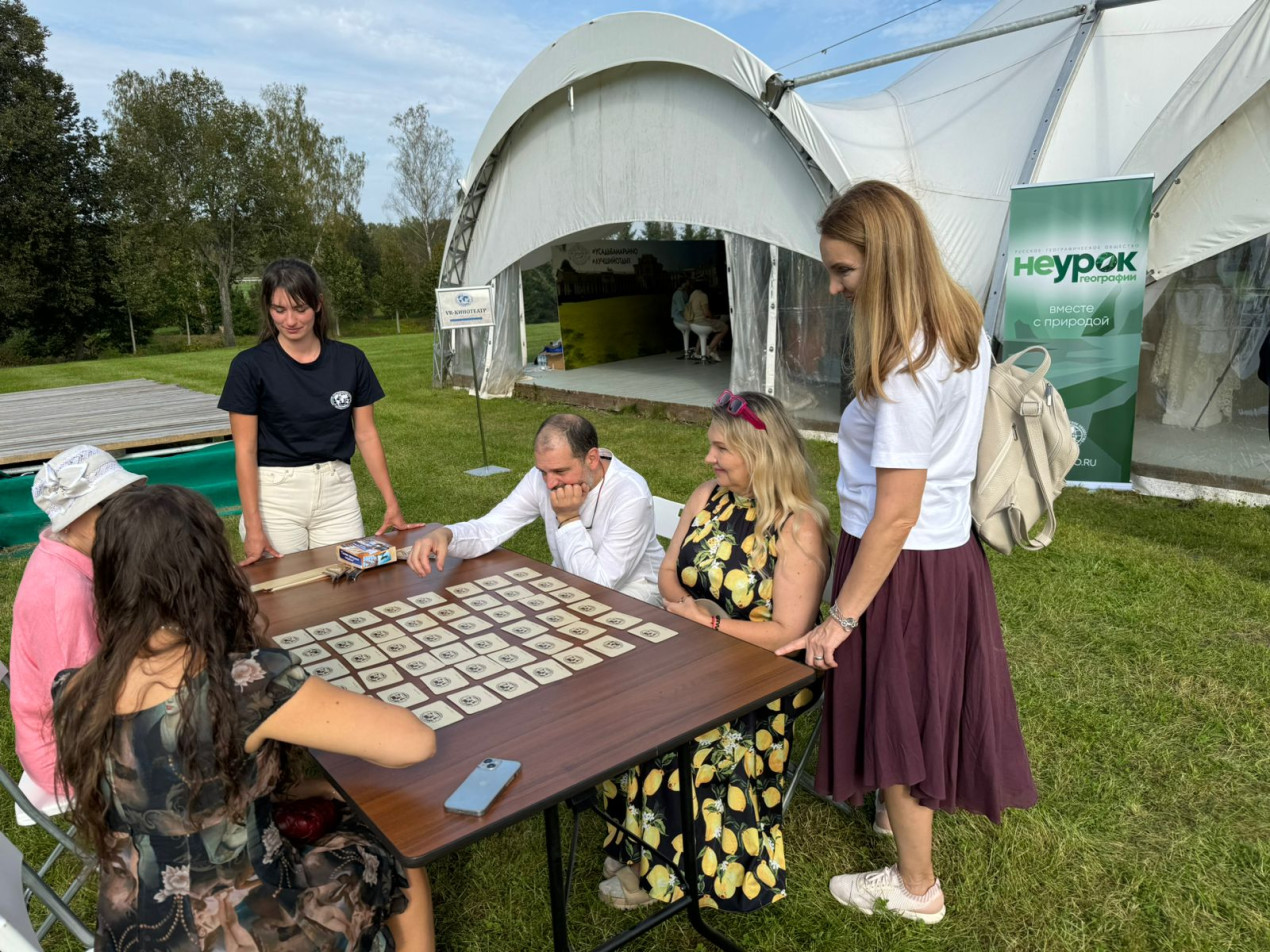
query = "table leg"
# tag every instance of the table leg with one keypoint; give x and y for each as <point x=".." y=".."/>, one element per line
<point x="555" y="881"/>
<point x="689" y="861"/>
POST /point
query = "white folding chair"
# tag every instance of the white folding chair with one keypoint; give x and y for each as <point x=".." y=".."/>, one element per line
<point x="666" y="514"/>
<point x="15" y="923"/>
<point x="35" y="882"/>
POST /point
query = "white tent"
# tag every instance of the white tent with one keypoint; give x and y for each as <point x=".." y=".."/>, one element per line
<point x="645" y="116"/>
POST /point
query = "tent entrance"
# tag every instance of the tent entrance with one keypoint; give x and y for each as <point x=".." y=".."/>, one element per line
<point x="1202" y="412"/>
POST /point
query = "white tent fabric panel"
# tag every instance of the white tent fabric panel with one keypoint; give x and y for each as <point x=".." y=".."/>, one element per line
<point x="1223" y="196"/>
<point x="642" y="143"/>
<point x="1126" y="78"/>
<point x="626" y="39"/>
<point x="1234" y="70"/>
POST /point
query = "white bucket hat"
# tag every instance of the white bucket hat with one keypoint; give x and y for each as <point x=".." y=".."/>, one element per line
<point x="77" y="479"/>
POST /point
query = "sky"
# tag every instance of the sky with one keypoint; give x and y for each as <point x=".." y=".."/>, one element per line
<point x="363" y="63"/>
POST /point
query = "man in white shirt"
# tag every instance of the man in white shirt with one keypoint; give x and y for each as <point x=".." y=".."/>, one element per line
<point x="598" y="513"/>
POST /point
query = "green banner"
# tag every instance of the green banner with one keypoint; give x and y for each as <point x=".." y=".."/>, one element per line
<point x="1076" y="272"/>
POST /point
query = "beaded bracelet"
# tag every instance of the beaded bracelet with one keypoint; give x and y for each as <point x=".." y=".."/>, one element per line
<point x="848" y="624"/>
<point x="714" y="622"/>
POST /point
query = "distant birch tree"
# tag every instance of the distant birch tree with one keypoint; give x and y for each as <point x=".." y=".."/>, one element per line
<point x="426" y="173"/>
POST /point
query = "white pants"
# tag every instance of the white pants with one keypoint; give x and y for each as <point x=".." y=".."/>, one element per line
<point x="41" y="799"/>
<point x="304" y="507"/>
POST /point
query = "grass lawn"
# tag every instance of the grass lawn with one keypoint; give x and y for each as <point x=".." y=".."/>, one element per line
<point x="1140" y="646"/>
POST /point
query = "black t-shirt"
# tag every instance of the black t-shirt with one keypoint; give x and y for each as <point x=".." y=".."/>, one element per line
<point x="304" y="412"/>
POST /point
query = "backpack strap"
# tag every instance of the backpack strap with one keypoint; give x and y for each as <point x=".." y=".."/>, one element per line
<point x="1034" y="451"/>
<point x="1030" y="408"/>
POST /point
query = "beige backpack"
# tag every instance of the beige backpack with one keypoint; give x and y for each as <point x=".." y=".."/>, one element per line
<point x="1025" y="453"/>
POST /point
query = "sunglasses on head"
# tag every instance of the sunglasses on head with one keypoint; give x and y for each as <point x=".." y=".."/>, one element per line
<point x="739" y="408"/>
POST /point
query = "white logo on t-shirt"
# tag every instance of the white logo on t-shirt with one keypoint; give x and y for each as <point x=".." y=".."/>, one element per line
<point x="341" y="399"/>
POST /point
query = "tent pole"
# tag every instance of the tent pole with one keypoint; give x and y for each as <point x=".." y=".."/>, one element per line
<point x="773" y="315"/>
<point x="778" y="85"/>
<point x="994" y="309"/>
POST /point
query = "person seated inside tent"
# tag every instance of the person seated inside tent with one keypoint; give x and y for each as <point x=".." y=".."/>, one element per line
<point x="598" y="513"/>
<point x="749" y="558"/>
<point x="678" y="312"/>
<point x="173" y="738"/>
<point x="53" y="623"/>
<point x="698" y="312"/>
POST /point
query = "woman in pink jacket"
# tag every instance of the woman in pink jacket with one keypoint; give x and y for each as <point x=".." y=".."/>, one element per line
<point x="54" y="627"/>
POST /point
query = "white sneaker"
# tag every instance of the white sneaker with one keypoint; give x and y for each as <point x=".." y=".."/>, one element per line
<point x="865" y="890"/>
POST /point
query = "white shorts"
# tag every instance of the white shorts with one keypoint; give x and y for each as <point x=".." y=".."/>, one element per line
<point x="304" y="507"/>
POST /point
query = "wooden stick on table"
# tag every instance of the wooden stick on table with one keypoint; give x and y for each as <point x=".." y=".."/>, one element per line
<point x="333" y="572"/>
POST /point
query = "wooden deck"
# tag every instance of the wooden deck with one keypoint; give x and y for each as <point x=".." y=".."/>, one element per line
<point x="36" y="425"/>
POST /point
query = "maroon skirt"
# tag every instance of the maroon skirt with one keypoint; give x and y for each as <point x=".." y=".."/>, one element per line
<point x="921" y="695"/>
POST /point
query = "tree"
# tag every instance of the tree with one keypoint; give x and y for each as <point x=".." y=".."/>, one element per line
<point x="540" y="295"/>
<point x="425" y="185"/>
<point x="345" y="285"/>
<point x="395" y="289"/>
<point x="660" y="231"/>
<point x="318" y="179"/>
<point x="191" y="168"/>
<point x="53" y="258"/>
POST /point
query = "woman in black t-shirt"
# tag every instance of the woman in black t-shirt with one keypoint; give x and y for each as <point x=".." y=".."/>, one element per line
<point x="299" y="404"/>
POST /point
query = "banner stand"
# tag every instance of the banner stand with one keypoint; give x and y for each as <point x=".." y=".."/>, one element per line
<point x="1074" y="283"/>
<point x="485" y="469"/>
<point x="470" y="308"/>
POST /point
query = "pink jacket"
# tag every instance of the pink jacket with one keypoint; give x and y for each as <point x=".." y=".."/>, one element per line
<point x="54" y="628"/>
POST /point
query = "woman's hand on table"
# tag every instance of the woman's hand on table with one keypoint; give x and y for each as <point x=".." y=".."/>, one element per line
<point x="256" y="546"/>
<point x="820" y="644"/>
<point x="393" y="519"/>
<point x="687" y="607"/>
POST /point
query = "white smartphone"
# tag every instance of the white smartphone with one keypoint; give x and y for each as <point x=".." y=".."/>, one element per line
<point x="483" y="785"/>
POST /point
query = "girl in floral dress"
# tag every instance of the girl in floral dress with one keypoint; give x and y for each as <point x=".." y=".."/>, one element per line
<point x="172" y="738"/>
<point x="753" y="544"/>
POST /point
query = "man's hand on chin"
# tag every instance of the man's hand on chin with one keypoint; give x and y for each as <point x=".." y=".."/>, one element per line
<point x="566" y="502"/>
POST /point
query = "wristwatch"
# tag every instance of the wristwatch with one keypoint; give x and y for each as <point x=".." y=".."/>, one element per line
<point x="848" y="624"/>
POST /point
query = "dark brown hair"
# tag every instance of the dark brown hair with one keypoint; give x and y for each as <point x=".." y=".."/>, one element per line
<point x="577" y="431"/>
<point x="302" y="284"/>
<point x="160" y="560"/>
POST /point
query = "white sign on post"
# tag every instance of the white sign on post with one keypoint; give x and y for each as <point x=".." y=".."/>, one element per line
<point x="469" y="308"/>
<point x="465" y="307"/>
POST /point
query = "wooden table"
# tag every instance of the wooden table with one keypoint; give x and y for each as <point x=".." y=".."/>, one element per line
<point x="564" y="734"/>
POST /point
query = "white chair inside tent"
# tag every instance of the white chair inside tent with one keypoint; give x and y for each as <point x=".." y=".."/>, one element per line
<point x="703" y="335"/>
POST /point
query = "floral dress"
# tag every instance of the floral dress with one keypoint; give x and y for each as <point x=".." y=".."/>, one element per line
<point x="184" y="876"/>
<point x="739" y="766"/>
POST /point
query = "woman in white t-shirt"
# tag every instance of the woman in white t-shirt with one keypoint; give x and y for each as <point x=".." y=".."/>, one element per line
<point x="918" y="701"/>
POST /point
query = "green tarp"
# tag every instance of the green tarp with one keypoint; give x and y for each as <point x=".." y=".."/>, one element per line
<point x="209" y="469"/>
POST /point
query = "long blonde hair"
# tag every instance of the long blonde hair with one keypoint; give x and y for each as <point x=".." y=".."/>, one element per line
<point x="782" y="481"/>
<point x="904" y="289"/>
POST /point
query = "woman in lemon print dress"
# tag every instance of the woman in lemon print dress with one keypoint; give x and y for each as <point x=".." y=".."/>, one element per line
<point x="754" y="541"/>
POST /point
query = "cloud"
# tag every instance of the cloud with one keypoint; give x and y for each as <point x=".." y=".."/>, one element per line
<point x="732" y="9"/>
<point x="360" y="65"/>
<point x="936" y="23"/>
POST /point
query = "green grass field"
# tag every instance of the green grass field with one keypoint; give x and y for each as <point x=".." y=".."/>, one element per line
<point x="1140" y="646"/>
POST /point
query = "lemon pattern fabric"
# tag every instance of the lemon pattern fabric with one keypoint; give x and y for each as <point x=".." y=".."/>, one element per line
<point x="738" y="767"/>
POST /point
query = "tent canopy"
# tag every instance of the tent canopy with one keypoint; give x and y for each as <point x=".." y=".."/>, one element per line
<point x="646" y="116"/>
